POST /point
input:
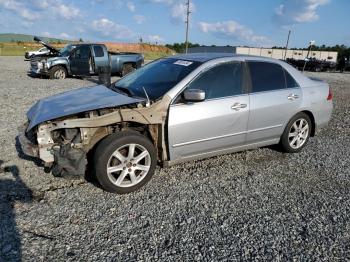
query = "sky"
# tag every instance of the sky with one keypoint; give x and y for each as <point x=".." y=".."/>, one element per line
<point x="258" y="23"/>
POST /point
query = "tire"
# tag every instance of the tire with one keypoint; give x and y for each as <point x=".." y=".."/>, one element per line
<point x="113" y="151"/>
<point x="58" y="72"/>
<point x="27" y="56"/>
<point x="296" y="142"/>
<point x="127" y="69"/>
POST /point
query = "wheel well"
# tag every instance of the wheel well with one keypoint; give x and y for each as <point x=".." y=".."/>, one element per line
<point x="312" y="118"/>
<point x="133" y="64"/>
<point x="152" y="132"/>
<point x="60" y="65"/>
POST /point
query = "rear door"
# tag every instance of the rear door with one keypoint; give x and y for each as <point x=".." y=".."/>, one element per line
<point x="100" y="57"/>
<point x="80" y="60"/>
<point x="274" y="98"/>
<point x="215" y="124"/>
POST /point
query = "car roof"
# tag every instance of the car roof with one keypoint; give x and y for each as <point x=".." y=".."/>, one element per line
<point x="205" y="57"/>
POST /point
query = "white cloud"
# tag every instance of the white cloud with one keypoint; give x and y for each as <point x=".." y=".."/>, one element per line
<point x="139" y="19"/>
<point x="131" y="6"/>
<point x="177" y="9"/>
<point x="64" y="35"/>
<point x="108" y="28"/>
<point x="232" y="29"/>
<point x="20" y="8"/>
<point x="66" y="11"/>
<point x="298" y="11"/>
<point x="155" y="38"/>
<point x="46" y="34"/>
<point x="32" y="10"/>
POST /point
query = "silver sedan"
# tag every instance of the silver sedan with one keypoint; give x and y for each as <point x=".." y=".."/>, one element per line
<point x="176" y="109"/>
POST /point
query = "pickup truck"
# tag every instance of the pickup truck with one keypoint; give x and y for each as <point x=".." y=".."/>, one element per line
<point x="83" y="59"/>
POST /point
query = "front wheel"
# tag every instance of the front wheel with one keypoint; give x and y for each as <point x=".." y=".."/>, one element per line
<point x="124" y="162"/>
<point x="296" y="133"/>
<point x="58" y="72"/>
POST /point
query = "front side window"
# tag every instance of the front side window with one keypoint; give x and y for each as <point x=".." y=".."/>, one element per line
<point x="266" y="76"/>
<point x="220" y="81"/>
<point x="82" y="52"/>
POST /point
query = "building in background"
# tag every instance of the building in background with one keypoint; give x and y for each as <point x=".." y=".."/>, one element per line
<point x="268" y="52"/>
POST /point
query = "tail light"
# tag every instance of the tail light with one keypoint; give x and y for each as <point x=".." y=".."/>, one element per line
<point x="330" y="94"/>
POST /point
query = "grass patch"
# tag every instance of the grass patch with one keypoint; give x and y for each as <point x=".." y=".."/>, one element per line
<point x="14" y="50"/>
<point x="155" y="55"/>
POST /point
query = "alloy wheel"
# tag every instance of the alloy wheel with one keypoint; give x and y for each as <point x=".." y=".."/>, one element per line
<point x="128" y="165"/>
<point x="298" y="133"/>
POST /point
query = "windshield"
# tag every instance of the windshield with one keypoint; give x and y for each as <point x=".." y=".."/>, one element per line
<point x="65" y="51"/>
<point x="157" y="77"/>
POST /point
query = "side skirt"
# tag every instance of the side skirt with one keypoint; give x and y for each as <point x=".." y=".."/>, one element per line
<point x="221" y="152"/>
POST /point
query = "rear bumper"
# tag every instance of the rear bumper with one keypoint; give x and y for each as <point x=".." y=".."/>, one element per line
<point x="27" y="146"/>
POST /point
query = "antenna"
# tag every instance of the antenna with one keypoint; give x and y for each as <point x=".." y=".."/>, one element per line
<point x="148" y="103"/>
<point x="187" y="23"/>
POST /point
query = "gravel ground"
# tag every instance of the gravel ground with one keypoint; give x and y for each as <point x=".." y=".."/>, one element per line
<point x="259" y="204"/>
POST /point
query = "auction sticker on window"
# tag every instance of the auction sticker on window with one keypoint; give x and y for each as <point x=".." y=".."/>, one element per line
<point x="183" y="63"/>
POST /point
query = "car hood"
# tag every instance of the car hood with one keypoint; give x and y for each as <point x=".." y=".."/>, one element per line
<point x="76" y="101"/>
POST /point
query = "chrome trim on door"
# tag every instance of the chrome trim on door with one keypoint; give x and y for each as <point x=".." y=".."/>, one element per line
<point x="262" y="129"/>
<point x="224" y="136"/>
<point x="207" y="139"/>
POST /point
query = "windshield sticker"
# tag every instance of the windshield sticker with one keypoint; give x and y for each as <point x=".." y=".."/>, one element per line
<point x="183" y="63"/>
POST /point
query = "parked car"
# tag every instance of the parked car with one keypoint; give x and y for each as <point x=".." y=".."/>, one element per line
<point x="173" y="110"/>
<point x="42" y="51"/>
<point x="83" y="59"/>
<point x="312" y="64"/>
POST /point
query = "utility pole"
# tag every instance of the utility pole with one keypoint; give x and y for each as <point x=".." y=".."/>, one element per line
<point x="308" y="53"/>
<point x="187" y="23"/>
<point x="285" y="52"/>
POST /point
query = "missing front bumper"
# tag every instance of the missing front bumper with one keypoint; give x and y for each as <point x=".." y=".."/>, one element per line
<point x="27" y="146"/>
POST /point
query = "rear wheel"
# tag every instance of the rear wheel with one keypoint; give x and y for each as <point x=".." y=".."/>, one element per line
<point x="124" y="162"/>
<point x="58" y="72"/>
<point x="296" y="133"/>
<point x="127" y="69"/>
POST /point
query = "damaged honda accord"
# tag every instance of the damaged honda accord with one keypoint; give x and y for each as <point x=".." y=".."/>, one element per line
<point x="172" y="110"/>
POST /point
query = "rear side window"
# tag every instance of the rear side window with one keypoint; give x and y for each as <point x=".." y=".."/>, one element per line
<point x="266" y="76"/>
<point x="290" y="81"/>
<point x="220" y="81"/>
<point x="98" y="50"/>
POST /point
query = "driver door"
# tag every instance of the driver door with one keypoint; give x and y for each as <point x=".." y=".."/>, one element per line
<point x="217" y="123"/>
<point x="80" y="60"/>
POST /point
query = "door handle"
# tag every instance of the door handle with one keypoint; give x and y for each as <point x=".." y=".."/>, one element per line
<point x="292" y="97"/>
<point x="238" y="106"/>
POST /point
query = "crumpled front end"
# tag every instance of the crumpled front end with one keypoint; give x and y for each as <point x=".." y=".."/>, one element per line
<point x="60" y="149"/>
<point x="39" y="66"/>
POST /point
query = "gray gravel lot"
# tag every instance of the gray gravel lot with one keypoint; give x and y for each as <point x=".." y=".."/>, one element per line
<point x="259" y="204"/>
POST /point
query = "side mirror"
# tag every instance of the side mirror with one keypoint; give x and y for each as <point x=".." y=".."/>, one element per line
<point x="194" y="95"/>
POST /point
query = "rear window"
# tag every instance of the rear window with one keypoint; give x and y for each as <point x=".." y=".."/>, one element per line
<point x="98" y="50"/>
<point x="266" y="76"/>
